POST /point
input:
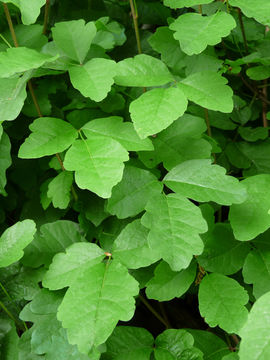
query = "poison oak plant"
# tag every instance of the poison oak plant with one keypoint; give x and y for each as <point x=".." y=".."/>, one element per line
<point x="134" y="180"/>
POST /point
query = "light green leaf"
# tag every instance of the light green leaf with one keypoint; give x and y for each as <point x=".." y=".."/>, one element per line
<point x="130" y="343"/>
<point x="74" y="38"/>
<point x="222" y="253"/>
<point x="203" y="87"/>
<point x="258" y="72"/>
<point x="123" y="132"/>
<point x="252" y="217"/>
<point x="195" y="32"/>
<point x="20" y="59"/>
<point x="98" y="164"/>
<point x="175" y="4"/>
<point x="59" y="189"/>
<point x="12" y="96"/>
<point x="176" y="344"/>
<point x="67" y="267"/>
<point x="255" y="343"/>
<point x="156" y="109"/>
<point x="256" y="269"/>
<point x="53" y="237"/>
<point x="202" y="181"/>
<point x="93" y="79"/>
<point x="5" y="161"/>
<point x="167" y="284"/>
<point x="178" y="222"/>
<point x="130" y="196"/>
<point x="87" y="301"/>
<point x="14" y="239"/>
<point x="49" y="136"/>
<point x="131" y="247"/>
<point x="142" y="70"/>
<point x="30" y="10"/>
<point x="231" y="356"/>
<point x="221" y="302"/>
<point x="258" y="9"/>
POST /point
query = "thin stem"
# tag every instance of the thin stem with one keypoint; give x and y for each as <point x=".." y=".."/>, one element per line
<point x="46" y="16"/>
<point x="9" y="313"/>
<point x="153" y="311"/>
<point x="136" y="27"/>
<point x="5" y="40"/>
<point x="242" y="29"/>
<point x="60" y="161"/>
<point x="10" y="25"/>
<point x="30" y="86"/>
<point x="200" y="9"/>
<point x="264" y="105"/>
<point x="164" y="314"/>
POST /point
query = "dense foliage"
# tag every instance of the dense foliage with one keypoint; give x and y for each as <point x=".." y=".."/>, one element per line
<point x="134" y="179"/>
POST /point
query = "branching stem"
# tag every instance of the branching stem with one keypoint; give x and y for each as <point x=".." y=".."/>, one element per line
<point x="242" y="29"/>
<point x="134" y="13"/>
<point x="154" y="312"/>
<point x="46" y="16"/>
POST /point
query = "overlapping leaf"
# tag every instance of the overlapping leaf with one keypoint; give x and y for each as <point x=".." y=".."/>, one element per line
<point x="5" y="160"/>
<point x="258" y="9"/>
<point x="30" y="10"/>
<point x="174" y="4"/>
<point x="59" y="189"/>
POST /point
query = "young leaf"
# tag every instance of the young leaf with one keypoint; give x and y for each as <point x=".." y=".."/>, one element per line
<point x="130" y="196"/>
<point x="59" y="189"/>
<point x="30" y="10"/>
<point x="54" y="237"/>
<point x="255" y="332"/>
<point x="74" y="38"/>
<point x="196" y="32"/>
<point x="222" y="253"/>
<point x="203" y="87"/>
<point x="14" y="239"/>
<point x="142" y="70"/>
<point x="178" y="222"/>
<point x="258" y="9"/>
<point x="252" y="217"/>
<point x="20" y="59"/>
<point x="123" y="132"/>
<point x="131" y="247"/>
<point x="202" y="181"/>
<point x="156" y="109"/>
<point x="175" y="4"/>
<point x="49" y="136"/>
<point x="176" y="344"/>
<point x="98" y="164"/>
<point x="127" y="342"/>
<point x="221" y="302"/>
<point x="93" y="79"/>
<point x="167" y="284"/>
<point x="5" y="161"/>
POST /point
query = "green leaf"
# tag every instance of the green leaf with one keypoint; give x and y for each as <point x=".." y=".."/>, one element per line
<point x="127" y="342"/>
<point x="167" y="284"/>
<point x="131" y="247"/>
<point x="14" y="240"/>
<point x="156" y="109"/>
<point x="253" y="134"/>
<point x="93" y="79"/>
<point x="176" y="344"/>
<point x="74" y="38"/>
<point x="67" y="267"/>
<point x="258" y="72"/>
<point x="202" y="181"/>
<point x="93" y="208"/>
<point x="20" y="59"/>
<point x="12" y="96"/>
<point x="91" y="288"/>
<point x="8" y="340"/>
<point x="98" y="164"/>
<point x="49" y="136"/>
<point x="222" y="253"/>
<point x="257" y="264"/>
<point x="175" y="4"/>
<point x="221" y="302"/>
<point x="255" y="332"/>
<point x="252" y="217"/>
<point x="142" y="70"/>
<point x="53" y="237"/>
<point x="195" y="32"/>
<point x="203" y="87"/>
<point x="130" y="196"/>
<point x="258" y="9"/>
<point x="59" y="189"/>
<point x="123" y="132"/>
<point x="30" y="10"/>
<point x="178" y="222"/>
<point x="5" y="161"/>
